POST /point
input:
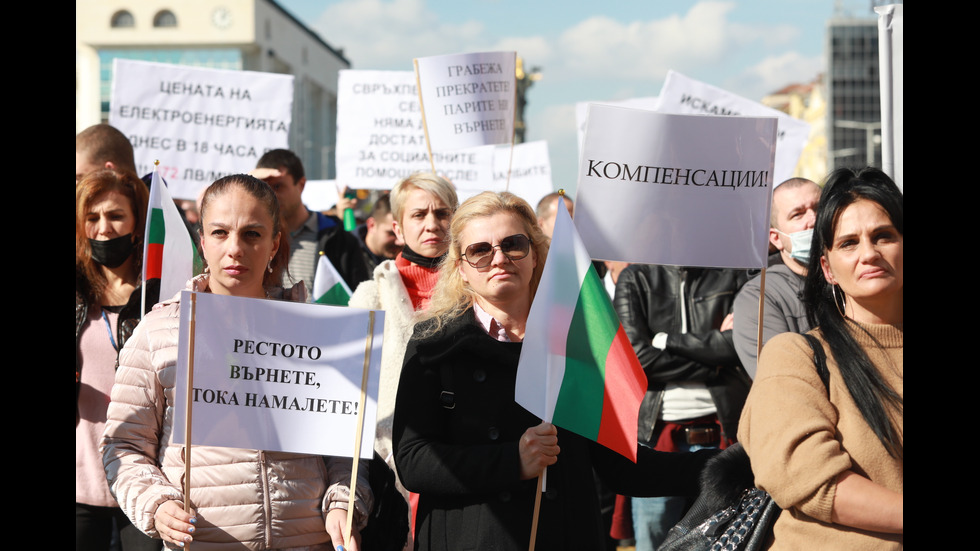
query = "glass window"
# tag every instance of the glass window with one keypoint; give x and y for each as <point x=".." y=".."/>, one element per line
<point x="165" y="18"/>
<point x="122" y="19"/>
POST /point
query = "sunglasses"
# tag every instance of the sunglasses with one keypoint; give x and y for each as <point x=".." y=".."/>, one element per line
<point x="480" y="255"/>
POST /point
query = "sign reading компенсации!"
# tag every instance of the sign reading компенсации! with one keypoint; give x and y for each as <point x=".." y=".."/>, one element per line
<point x="685" y="190"/>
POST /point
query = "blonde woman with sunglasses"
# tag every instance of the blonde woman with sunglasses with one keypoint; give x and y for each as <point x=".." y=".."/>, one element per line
<point x="461" y="441"/>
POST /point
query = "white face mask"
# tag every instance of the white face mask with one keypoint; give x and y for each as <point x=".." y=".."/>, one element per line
<point x="800" y="242"/>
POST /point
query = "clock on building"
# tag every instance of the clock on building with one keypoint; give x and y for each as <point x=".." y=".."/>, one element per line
<point x="221" y="17"/>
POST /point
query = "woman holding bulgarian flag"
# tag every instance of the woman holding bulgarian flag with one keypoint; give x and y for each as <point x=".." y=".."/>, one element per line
<point x="463" y="443"/>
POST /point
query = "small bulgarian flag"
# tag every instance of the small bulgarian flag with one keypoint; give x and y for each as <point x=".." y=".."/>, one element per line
<point x="169" y="254"/>
<point x="328" y="286"/>
<point x="577" y="368"/>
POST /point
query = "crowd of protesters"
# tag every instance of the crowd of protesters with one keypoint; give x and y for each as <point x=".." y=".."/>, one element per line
<point x="819" y="411"/>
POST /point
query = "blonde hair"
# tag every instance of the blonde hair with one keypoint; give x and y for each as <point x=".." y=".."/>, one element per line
<point x="452" y="296"/>
<point x="426" y="181"/>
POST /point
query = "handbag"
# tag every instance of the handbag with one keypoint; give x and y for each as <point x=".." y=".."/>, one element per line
<point x="731" y="513"/>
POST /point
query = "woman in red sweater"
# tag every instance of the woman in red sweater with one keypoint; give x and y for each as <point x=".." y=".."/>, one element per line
<point x="422" y="206"/>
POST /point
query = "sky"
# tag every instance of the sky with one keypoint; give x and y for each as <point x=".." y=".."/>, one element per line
<point x="590" y="50"/>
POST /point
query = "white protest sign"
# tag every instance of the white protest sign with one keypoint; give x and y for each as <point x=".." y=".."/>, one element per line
<point x="320" y="195"/>
<point x="273" y="375"/>
<point x="685" y="96"/>
<point x="381" y="139"/>
<point x="582" y="112"/>
<point x="530" y="170"/>
<point x="201" y="124"/>
<point x="891" y="59"/>
<point x="686" y="190"/>
<point x="468" y="99"/>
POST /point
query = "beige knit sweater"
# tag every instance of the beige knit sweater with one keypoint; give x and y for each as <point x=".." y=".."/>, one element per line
<point x="800" y="437"/>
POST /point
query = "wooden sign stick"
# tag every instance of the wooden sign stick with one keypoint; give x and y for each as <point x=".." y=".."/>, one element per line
<point x="425" y="124"/>
<point x="368" y="345"/>
<point x="188" y="406"/>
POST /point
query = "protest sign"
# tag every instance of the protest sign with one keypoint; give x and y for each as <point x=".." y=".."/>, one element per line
<point x="685" y="190"/>
<point x="524" y="170"/>
<point x="891" y="56"/>
<point x="274" y="375"/>
<point x="381" y="139"/>
<point x="201" y="124"/>
<point x="582" y="113"/>
<point x="529" y="168"/>
<point x="320" y="195"/>
<point x="467" y="100"/>
<point x="685" y="96"/>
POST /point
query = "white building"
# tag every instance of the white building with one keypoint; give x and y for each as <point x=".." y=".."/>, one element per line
<point x="252" y="35"/>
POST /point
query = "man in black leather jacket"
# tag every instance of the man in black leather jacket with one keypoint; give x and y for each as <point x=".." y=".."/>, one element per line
<point x="678" y="320"/>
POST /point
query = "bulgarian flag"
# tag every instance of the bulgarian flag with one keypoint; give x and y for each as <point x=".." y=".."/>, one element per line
<point x="169" y="254"/>
<point x="328" y="286"/>
<point x="577" y="368"/>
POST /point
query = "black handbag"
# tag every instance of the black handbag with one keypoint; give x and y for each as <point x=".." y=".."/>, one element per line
<point x="731" y="513"/>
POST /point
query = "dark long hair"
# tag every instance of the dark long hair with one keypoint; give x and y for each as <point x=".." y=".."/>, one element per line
<point x="872" y="395"/>
<point x="93" y="186"/>
<point x="264" y="194"/>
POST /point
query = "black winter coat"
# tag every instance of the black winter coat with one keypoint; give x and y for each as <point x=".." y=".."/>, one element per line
<point x="456" y="432"/>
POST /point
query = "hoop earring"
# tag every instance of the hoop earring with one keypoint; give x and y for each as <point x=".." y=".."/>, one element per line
<point x="833" y="290"/>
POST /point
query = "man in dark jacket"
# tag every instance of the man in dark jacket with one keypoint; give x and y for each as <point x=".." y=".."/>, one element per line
<point x="679" y="322"/>
<point x="309" y="233"/>
<point x="377" y="238"/>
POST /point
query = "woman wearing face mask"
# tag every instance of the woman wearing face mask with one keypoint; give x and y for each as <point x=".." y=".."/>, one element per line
<point x="794" y="210"/>
<point x="110" y="211"/>
<point x="241" y="499"/>
<point x="830" y="451"/>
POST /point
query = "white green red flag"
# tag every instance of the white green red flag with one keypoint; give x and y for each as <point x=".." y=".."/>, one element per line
<point x="577" y="368"/>
<point x="169" y="253"/>
<point x="328" y="286"/>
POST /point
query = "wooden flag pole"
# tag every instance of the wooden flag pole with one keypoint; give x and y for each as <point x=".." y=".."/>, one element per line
<point x="537" y="509"/>
<point x="762" y="303"/>
<point x="368" y="345"/>
<point x="425" y="124"/>
<point x="187" y="407"/>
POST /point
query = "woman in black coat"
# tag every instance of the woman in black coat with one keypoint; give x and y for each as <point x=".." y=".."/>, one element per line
<point x="462" y="442"/>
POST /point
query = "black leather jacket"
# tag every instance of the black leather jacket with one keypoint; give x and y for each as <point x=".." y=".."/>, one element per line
<point x="648" y="301"/>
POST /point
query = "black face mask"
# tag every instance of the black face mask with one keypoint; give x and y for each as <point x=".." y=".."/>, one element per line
<point x="113" y="252"/>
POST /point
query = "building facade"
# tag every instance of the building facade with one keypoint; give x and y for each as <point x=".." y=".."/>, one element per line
<point x="853" y="93"/>
<point x="250" y="35"/>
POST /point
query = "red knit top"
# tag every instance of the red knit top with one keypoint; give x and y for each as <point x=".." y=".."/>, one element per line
<point x="419" y="281"/>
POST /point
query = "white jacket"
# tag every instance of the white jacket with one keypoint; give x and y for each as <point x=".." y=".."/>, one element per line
<point x="385" y="291"/>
